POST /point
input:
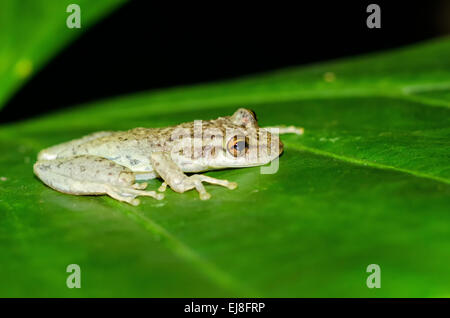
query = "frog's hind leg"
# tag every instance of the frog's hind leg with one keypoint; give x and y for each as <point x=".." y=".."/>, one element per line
<point x="129" y="195"/>
<point x="92" y="175"/>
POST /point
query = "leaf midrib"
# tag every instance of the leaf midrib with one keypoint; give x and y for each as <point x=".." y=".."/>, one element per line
<point x="366" y="163"/>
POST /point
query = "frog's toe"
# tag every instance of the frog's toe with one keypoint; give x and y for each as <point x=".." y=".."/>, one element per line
<point x="163" y="187"/>
<point x="120" y="196"/>
<point x="295" y="130"/>
<point x="140" y="186"/>
<point x="198" y="180"/>
<point x="232" y="185"/>
<point x="207" y="179"/>
<point x="129" y="194"/>
<point x="135" y="202"/>
<point x="205" y="196"/>
<point x="153" y="194"/>
<point x="288" y="130"/>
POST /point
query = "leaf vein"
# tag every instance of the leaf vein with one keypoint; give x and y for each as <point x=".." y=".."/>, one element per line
<point x="362" y="162"/>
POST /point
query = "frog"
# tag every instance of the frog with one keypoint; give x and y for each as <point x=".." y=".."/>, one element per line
<point x="117" y="163"/>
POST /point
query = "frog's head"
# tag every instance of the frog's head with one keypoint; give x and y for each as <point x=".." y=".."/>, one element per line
<point x="255" y="144"/>
<point x="238" y="141"/>
<point x="226" y="142"/>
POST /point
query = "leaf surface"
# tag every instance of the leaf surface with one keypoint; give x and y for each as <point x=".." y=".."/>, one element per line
<point x="368" y="183"/>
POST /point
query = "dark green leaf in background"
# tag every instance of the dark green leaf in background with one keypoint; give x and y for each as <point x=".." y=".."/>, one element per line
<point x="368" y="183"/>
<point x="31" y="32"/>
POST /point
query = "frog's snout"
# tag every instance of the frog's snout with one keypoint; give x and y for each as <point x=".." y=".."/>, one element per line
<point x="280" y="147"/>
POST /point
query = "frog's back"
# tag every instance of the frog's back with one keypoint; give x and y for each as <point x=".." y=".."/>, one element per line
<point x="129" y="148"/>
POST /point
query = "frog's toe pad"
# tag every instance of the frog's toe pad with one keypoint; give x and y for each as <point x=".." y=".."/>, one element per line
<point x="232" y="185"/>
<point x="163" y="187"/>
<point x="140" y="186"/>
<point x="135" y="202"/>
<point x="129" y="194"/>
<point x="205" y="196"/>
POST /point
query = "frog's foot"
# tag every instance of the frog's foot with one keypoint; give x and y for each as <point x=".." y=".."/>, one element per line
<point x="129" y="195"/>
<point x="92" y="175"/>
<point x="174" y="177"/>
<point x="163" y="187"/>
<point x="198" y="180"/>
<point x="140" y="186"/>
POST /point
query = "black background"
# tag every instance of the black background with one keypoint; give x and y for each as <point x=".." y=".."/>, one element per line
<point x="145" y="46"/>
<point x="274" y="307"/>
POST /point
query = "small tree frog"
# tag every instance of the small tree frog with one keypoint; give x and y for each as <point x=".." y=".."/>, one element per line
<point x="111" y="162"/>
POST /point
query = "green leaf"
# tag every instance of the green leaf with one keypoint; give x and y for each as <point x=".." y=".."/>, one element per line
<point x="32" y="31"/>
<point x="368" y="183"/>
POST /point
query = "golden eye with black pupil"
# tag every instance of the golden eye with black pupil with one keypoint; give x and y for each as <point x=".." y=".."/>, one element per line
<point x="237" y="146"/>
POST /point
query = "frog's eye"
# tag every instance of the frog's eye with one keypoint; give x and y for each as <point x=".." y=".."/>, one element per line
<point x="237" y="146"/>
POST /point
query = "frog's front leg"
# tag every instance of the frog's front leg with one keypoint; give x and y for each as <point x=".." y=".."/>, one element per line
<point x="174" y="177"/>
<point x="92" y="175"/>
<point x="287" y="129"/>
